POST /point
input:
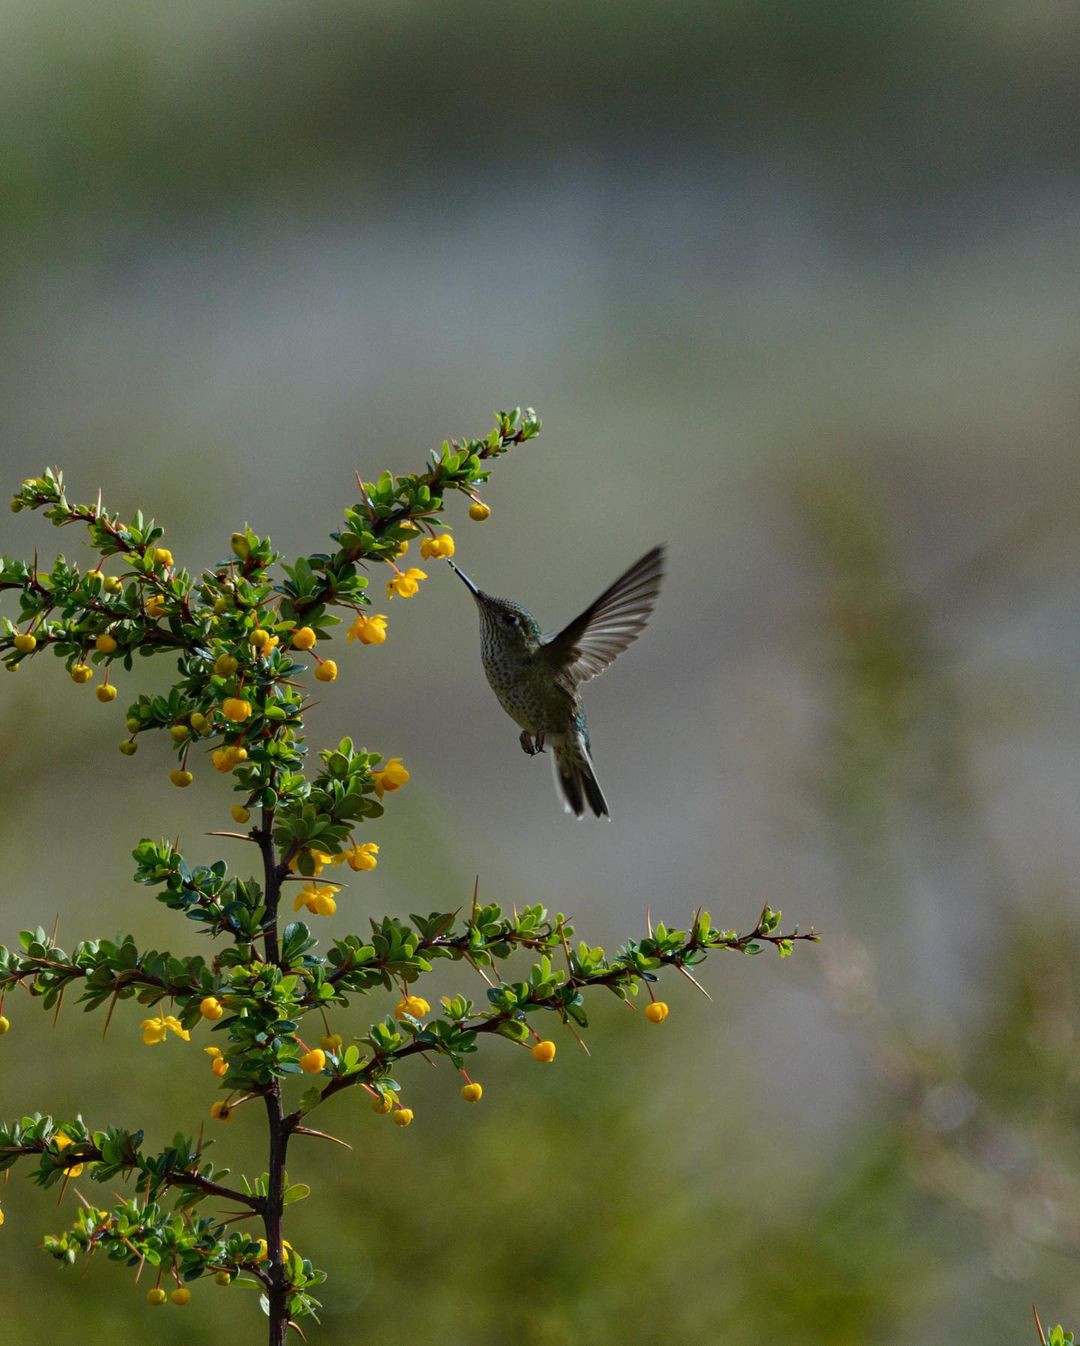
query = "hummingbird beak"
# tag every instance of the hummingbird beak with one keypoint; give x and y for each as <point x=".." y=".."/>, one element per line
<point x="464" y="579"/>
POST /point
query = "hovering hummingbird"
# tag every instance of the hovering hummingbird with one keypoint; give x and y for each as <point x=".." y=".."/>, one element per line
<point x="537" y="677"/>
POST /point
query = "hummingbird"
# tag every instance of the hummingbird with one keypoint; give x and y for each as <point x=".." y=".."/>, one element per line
<point x="538" y="677"/>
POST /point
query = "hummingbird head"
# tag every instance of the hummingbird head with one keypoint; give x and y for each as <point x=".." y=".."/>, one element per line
<point x="502" y="622"/>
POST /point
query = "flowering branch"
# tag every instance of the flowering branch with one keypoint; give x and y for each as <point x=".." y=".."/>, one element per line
<point x="244" y="635"/>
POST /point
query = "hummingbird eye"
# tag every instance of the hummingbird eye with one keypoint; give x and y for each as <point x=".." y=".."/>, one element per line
<point x="509" y="619"/>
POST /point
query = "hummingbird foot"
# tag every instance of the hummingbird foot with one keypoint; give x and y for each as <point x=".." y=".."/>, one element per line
<point x="529" y="744"/>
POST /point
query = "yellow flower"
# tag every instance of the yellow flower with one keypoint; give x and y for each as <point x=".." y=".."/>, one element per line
<point x="360" y="859"/>
<point x="162" y="556"/>
<point x="210" y="1007"/>
<point x="62" y="1141"/>
<point x="472" y="1093"/>
<point x="384" y="1103"/>
<point x="304" y="639"/>
<point x="25" y="643"/>
<point x="403" y="1117"/>
<point x="81" y="672"/>
<point x="403" y="548"/>
<point x="225" y="665"/>
<point x="105" y="643"/>
<point x="156" y="1296"/>
<point x="413" y="1005"/>
<point x="220" y="1111"/>
<point x="199" y="722"/>
<point x="218" y="1064"/>
<point x="155" y="606"/>
<point x="368" y="630"/>
<point x="106" y="692"/>
<point x="318" y="898"/>
<point x="180" y="1295"/>
<point x="313" y="1061"/>
<point x="224" y="759"/>
<point x="112" y="584"/>
<point x="433" y="548"/>
<point x="405" y="586"/>
<point x="656" y="1012"/>
<point x="236" y="709"/>
<point x="240" y="814"/>
<point x="260" y="639"/>
<point x="181" y="778"/>
<point x="389" y="778"/>
<point x="156" y="1030"/>
<point x="326" y="671"/>
<point x="478" y="511"/>
<point x="544" y="1051"/>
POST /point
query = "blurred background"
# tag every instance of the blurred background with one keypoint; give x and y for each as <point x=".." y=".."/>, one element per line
<point x="794" y="287"/>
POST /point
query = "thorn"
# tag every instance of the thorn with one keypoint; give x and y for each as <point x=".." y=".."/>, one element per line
<point x="691" y="978"/>
<point x="108" y="1017"/>
<point x="237" y="836"/>
<point x="322" y="1135"/>
<point x="477" y="968"/>
<point x="475" y="898"/>
<point x="97" y="507"/>
<point x="648" y="920"/>
<point x="580" y="1040"/>
<point x="59" y="1005"/>
<point x="296" y="1326"/>
<point x="1038" y="1324"/>
<point x="55" y="928"/>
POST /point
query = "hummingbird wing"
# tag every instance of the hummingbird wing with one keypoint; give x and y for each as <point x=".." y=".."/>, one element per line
<point x="591" y="641"/>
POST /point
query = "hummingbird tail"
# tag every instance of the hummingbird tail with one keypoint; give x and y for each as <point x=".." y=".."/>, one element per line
<point x="575" y="776"/>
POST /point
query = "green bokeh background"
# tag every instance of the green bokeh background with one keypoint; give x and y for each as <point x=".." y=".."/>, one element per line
<point x="795" y="287"/>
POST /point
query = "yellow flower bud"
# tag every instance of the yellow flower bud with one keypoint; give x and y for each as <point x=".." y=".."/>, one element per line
<point x="236" y="709"/>
<point x="25" y="642"/>
<point x="5" y="1024"/>
<point x="180" y="1295"/>
<point x="179" y="732"/>
<point x="181" y="779"/>
<point x="105" y="643"/>
<point x="221" y="605"/>
<point x="259" y="638"/>
<point x="478" y="511"/>
<point x="656" y="1012"/>
<point x="112" y="584"/>
<point x="313" y="1061"/>
<point x="225" y="665"/>
<point x="223" y="1278"/>
<point x="132" y="724"/>
<point x="81" y="673"/>
<point x="383" y="1104"/>
<point x="240" y="814"/>
<point x="333" y="1042"/>
<point x="304" y="639"/>
<point x="106" y="692"/>
<point x="199" y="722"/>
<point x="472" y="1092"/>
<point x="240" y="545"/>
<point x="129" y="747"/>
<point x="544" y="1051"/>
<point x="156" y="1296"/>
<point x="162" y="556"/>
<point x="326" y="671"/>
<point x="403" y="1117"/>
<point x="210" y="1007"/>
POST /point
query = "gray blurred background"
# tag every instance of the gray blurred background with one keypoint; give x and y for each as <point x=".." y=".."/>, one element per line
<point x="795" y="287"/>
